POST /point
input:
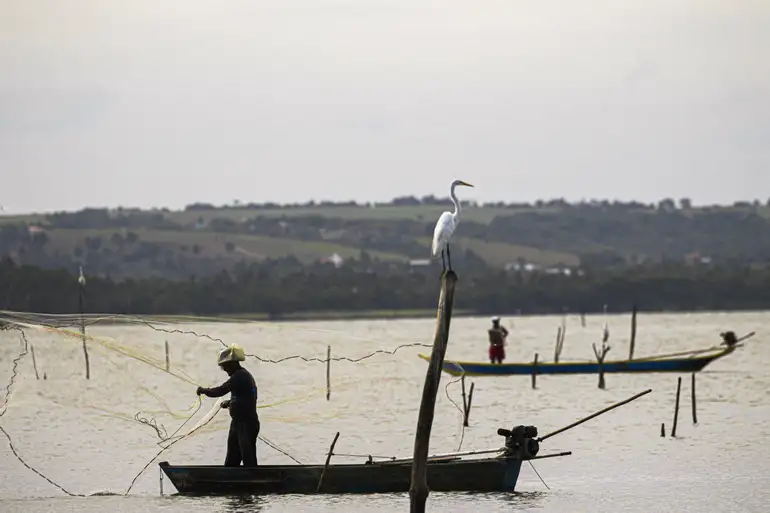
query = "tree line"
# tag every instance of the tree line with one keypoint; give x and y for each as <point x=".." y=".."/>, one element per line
<point x="277" y="288"/>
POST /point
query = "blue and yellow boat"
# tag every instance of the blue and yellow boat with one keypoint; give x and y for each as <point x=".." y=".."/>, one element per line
<point x="689" y="361"/>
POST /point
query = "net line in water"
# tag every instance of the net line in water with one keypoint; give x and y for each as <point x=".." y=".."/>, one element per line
<point x="19" y="321"/>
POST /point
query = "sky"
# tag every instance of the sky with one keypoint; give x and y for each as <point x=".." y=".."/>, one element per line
<point x="163" y="103"/>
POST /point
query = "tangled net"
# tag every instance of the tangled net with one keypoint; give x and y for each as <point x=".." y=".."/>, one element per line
<point x="81" y="330"/>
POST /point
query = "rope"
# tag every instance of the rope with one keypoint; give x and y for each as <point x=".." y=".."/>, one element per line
<point x="462" y="413"/>
<point x="538" y="474"/>
<point x="273" y="446"/>
<point x="14" y="374"/>
<point x="163" y="449"/>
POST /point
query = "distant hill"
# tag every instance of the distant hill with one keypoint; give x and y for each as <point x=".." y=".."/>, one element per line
<point x="556" y="235"/>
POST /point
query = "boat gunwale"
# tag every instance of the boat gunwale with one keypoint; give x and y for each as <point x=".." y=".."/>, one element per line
<point x="718" y="354"/>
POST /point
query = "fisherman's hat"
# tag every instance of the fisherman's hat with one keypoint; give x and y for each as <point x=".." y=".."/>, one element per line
<point x="234" y="353"/>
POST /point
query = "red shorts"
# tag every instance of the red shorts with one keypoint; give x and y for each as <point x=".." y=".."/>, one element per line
<point x="496" y="352"/>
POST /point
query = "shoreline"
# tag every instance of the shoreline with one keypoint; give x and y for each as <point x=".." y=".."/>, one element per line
<point x="316" y="316"/>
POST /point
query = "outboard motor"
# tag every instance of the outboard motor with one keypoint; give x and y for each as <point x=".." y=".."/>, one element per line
<point x="520" y="442"/>
<point x="729" y="339"/>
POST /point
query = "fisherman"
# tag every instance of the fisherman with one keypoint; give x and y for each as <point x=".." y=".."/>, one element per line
<point x="497" y="336"/>
<point x="244" y="424"/>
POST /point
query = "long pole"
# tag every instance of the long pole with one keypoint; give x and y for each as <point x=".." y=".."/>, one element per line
<point x="81" y="291"/>
<point x="633" y="334"/>
<point x="418" y="490"/>
<point x="605" y="410"/>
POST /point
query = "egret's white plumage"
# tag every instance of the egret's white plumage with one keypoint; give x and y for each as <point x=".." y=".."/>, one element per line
<point x="447" y="224"/>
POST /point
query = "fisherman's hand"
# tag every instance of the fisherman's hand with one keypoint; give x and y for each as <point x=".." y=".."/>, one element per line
<point x="226" y="403"/>
<point x="199" y="391"/>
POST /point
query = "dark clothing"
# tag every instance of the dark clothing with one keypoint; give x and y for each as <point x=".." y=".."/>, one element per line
<point x="244" y="426"/>
<point x="242" y="443"/>
<point x="243" y="394"/>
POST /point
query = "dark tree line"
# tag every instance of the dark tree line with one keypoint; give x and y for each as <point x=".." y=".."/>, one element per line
<point x="281" y="287"/>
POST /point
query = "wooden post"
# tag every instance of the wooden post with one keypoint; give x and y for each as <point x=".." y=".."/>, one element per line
<point x="600" y="360"/>
<point x="168" y="358"/>
<point x="633" y="334"/>
<point x="468" y="407"/>
<point x="37" y="376"/>
<point x="583" y="319"/>
<point x="557" y="349"/>
<point x="81" y="290"/>
<point x="534" y="372"/>
<point x="328" y="371"/>
<point x="662" y="429"/>
<point x="326" y="465"/>
<point x="418" y="489"/>
<point x="676" y="407"/>
<point x="692" y="396"/>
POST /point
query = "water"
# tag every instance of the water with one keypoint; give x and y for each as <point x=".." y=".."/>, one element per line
<point x="71" y="430"/>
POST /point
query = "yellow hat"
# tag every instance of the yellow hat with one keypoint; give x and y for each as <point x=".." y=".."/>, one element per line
<point x="233" y="353"/>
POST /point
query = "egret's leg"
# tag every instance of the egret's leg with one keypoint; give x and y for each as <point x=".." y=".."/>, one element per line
<point x="448" y="257"/>
<point x="443" y="262"/>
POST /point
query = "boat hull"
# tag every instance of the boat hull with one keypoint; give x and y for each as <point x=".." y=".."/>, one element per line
<point x="692" y="364"/>
<point x="476" y="475"/>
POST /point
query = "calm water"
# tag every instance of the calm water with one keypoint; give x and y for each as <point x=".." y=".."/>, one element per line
<point x="82" y="433"/>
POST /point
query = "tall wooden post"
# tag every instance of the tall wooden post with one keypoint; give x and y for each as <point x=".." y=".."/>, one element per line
<point x="633" y="334"/>
<point x="328" y="371"/>
<point x="676" y="406"/>
<point x="418" y="490"/>
<point x="81" y="291"/>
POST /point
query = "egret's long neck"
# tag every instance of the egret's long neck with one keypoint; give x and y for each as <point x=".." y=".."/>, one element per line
<point x="454" y="199"/>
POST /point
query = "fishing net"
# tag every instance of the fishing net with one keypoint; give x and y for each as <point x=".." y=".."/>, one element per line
<point x="126" y="385"/>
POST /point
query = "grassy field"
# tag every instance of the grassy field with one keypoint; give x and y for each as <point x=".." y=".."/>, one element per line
<point x="419" y="213"/>
<point x="499" y="253"/>
<point x="247" y="247"/>
<point x="253" y="247"/>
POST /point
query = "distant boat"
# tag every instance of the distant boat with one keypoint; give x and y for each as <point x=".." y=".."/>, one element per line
<point x="687" y="361"/>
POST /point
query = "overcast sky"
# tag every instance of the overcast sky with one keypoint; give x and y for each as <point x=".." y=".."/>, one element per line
<point x="167" y="102"/>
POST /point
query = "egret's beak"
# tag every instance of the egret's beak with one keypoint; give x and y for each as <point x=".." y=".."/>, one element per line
<point x="465" y="184"/>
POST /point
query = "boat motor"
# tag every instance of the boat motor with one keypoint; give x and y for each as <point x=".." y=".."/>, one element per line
<point x="520" y="442"/>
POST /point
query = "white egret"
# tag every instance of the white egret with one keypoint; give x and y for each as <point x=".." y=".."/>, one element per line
<point x="446" y="226"/>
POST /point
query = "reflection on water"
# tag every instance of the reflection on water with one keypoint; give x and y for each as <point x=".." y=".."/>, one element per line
<point x="82" y="433"/>
<point x="242" y="503"/>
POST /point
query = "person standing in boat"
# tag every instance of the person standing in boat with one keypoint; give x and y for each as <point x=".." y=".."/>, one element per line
<point x="497" y="336"/>
<point x="244" y="423"/>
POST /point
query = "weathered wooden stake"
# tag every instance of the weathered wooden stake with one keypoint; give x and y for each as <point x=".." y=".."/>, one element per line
<point x="692" y="392"/>
<point x="81" y="287"/>
<point x="676" y="407"/>
<point x="534" y="372"/>
<point x="418" y="489"/>
<point x="633" y="334"/>
<point x="662" y="429"/>
<point x="583" y="319"/>
<point x="600" y="359"/>
<point x="326" y="465"/>
<point x="168" y="358"/>
<point x="328" y="371"/>
<point x="557" y="349"/>
<point x="34" y="362"/>
<point x="468" y="407"/>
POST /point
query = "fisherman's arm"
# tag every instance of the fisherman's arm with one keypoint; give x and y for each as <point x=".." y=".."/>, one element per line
<point x="224" y="388"/>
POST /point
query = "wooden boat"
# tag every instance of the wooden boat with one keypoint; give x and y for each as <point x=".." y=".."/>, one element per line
<point x="448" y="473"/>
<point x="688" y="361"/>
